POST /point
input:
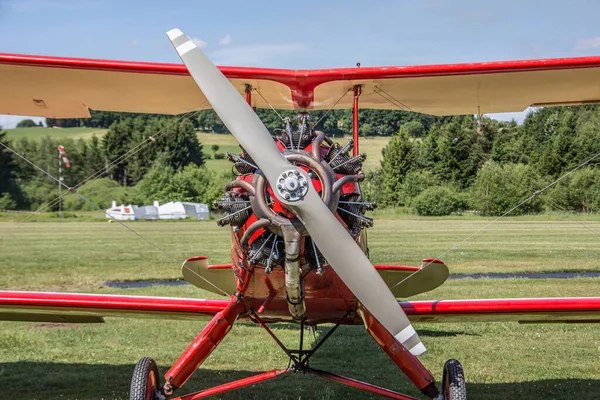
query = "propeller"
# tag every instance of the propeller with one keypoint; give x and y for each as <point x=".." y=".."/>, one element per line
<point x="291" y="187"/>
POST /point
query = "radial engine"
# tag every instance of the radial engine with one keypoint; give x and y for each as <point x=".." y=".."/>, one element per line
<point x="269" y="234"/>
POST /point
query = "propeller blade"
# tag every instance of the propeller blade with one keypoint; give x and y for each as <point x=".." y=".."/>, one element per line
<point x="351" y="264"/>
<point x="355" y="269"/>
<point x="236" y="114"/>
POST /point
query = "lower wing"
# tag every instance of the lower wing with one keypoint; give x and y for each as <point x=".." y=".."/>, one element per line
<point x="83" y="308"/>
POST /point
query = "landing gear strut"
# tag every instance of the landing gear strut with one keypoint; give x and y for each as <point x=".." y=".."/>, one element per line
<point x="145" y="382"/>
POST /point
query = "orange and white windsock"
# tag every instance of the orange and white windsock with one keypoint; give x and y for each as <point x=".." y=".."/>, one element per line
<point x="63" y="156"/>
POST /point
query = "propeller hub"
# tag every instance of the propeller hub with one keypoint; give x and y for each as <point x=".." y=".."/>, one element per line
<point x="291" y="185"/>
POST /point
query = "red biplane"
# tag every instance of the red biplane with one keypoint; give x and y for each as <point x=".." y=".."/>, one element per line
<point x="296" y="212"/>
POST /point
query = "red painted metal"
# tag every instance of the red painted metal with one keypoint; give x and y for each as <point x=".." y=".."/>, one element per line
<point x="220" y="266"/>
<point x="204" y="344"/>
<point x="303" y="82"/>
<point x="355" y="120"/>
<point x="327" y="299"/>
<point x="252" y="380"/>
<point x="360" y="385"/>
<point x="249" y="95"/>
<point x="501" y="306"/>
<point x="377" y="267"/>
<point x="408" y="268"/>
<point x="408" y="363"/>
<point x="197" y="258"/>
<point x="68" y="301"/>
<point x="432" y="260"/>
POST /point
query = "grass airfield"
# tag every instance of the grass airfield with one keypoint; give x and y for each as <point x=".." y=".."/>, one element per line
<point x="501" y="360"/>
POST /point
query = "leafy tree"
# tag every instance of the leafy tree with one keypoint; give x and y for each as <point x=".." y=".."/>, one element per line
<point x="26" y="123"/>
<point x="192" y="183"/>
<point x="579" y="192"/>
<point x="415" y="182"/>
<point x="371" y="187"/>
<point x="215" y="148"/>
<point x="499" y="188"/>
<point x="7" y="202"/>
<point x="10" y="192"/>
<point x="116" y="143"/>
<point x="94" y="160"/>
<point x="415" y="129"/>
<point x="100" y="192"/>
<point x="399" y="157"/>
<point x="209" y="121"/>
<point x="457" y="156"/>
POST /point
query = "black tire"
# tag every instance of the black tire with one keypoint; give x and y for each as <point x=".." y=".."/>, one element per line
<point x="145" y="381"/>
<point x="454" y="386"/>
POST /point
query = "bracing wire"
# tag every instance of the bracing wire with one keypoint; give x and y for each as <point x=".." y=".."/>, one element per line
<point x="140" y="146"/>
<point x="531" y="197"/>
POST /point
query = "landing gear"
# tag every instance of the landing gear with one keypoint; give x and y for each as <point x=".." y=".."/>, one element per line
<point x="454" y="386"/>
<point x="144" y="383"/>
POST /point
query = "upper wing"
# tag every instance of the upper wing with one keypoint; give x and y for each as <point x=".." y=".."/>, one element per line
<point x="69" y="87"/>
<point x="540" y="310"/>
<point x="81" y="308"/>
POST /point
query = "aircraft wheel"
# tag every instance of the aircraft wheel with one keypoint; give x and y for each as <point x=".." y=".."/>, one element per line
<point x="454" y="386"/>
<point x="145" y="381"/>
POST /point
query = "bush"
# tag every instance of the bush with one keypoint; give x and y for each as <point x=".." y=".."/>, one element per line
<point x="438" y="200"/>
<point x="579" y="192"/>
<point x="499" y="188"/>
<point x="371" y="187"/>
<point x="7" y="203"/>
<point x="219" y="156"/>
<point x="100" y="192"/>
<point x="415" y="182"/>
<point x="193" y="183"/>
<point x="27" y="123"/>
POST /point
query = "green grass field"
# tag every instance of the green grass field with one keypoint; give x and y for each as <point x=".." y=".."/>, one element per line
<point x="372" y="146"/>
<point x="502" y="360"/>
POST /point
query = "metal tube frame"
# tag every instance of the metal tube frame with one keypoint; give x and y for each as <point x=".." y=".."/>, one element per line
<point x="367" y="387"/>
<point x="249" y="95"/>
<point x="204" y="344"/>
<point x="240" y="383"/>
<point x="357" y="91"/>
<point x="216" y="330"/>
<point x="408" y="363"/>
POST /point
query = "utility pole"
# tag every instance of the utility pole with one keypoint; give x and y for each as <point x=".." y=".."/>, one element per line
<point x="62" y="158"/>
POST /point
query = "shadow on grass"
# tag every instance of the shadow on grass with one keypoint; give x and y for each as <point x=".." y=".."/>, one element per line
<point x="36" y="380"/>
<point x="431" y="333"/>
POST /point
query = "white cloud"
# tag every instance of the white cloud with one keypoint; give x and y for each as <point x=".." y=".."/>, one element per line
<point x="256" y="55"/>
<point x="135" y="42"/>
<point x="199" y="42"/>
<point x="226" y="40"/>
<point x="588" y="44"/>
<point x="10" y="121"/>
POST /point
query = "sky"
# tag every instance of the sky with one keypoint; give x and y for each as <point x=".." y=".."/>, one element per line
<point x="304" y="35"/>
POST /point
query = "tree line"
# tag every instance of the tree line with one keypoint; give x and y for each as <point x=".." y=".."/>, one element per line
<point x="431" y="166"/>
<point x="491" y="166"/>
<point x="122" y="165"/>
